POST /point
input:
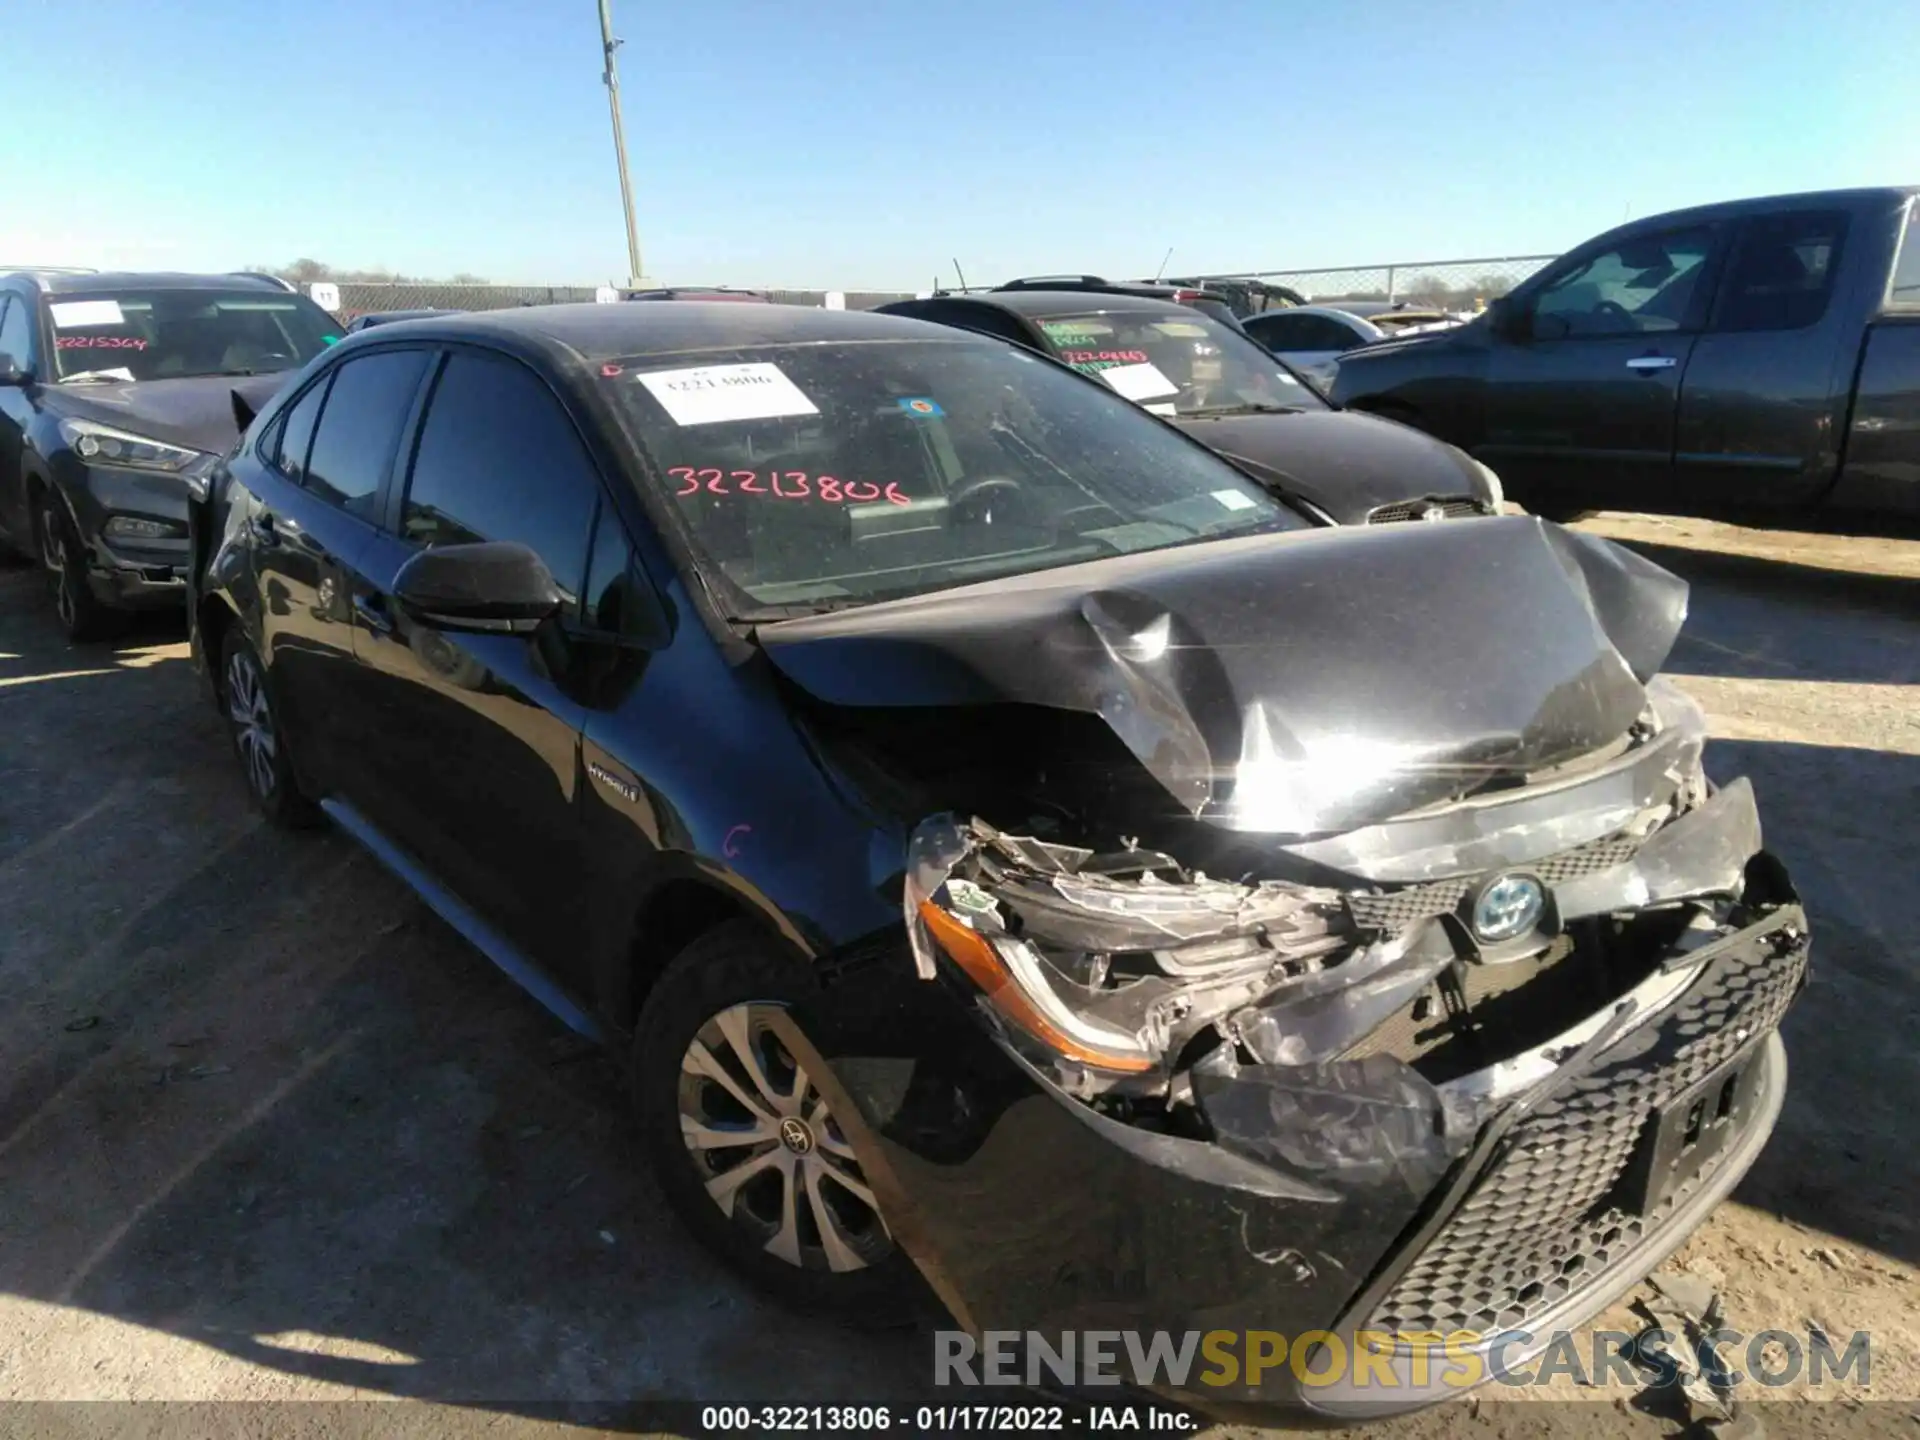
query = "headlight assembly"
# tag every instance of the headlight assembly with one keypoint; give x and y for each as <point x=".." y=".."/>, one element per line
<point x="1108" y="962"/>
<point x="99" y="444"/>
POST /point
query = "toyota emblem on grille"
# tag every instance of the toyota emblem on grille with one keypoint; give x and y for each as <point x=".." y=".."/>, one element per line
<point x="1434" y="512"/>
<point x="1508" y="906"/>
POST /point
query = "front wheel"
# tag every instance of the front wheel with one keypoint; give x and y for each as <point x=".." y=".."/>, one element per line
<point x="81" y="616"/>
<point x="258" y="738"/>
<point x="748" y="1151"/>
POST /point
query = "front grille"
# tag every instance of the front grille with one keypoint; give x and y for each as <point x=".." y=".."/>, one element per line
<point x="1396" y="910"/>
<point x="1453" y="507"/>
<point x="1543" y="1222"/>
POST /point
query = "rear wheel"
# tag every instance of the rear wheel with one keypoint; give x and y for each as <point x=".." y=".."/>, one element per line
<point x="258" y="739"/>
<point x="81" y="616"/>
<point x="747" y="1148"/>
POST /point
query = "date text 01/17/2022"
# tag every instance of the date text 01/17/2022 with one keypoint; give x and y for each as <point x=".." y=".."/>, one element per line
<point x="949" y="1419"/>
<point x="784" y="485"/>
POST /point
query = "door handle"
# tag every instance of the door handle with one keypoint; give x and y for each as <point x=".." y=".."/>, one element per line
<point x="1645" y="363"/>
<point x="371" y="611"/>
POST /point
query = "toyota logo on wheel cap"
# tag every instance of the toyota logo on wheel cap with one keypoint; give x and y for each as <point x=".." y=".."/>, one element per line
<point x="796" y="1135"/>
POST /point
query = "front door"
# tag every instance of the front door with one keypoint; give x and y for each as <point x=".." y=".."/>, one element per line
<point x="1583" y="386"/>
<point x="478" y="760"/>
<point x="309" y="518"/>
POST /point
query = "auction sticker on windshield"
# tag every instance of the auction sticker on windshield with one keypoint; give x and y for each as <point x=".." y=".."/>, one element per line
<point x="74" y="314"/>
<point x="704" y="394"/>
<point x="1140" y="382"/>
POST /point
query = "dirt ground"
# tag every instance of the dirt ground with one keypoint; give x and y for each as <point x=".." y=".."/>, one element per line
<point x="269" y="1131"/>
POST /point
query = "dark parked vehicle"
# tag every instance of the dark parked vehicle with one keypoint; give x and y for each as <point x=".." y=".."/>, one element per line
<point x="1207" y="302"/>
<point x="998" y="832"/>
<point x="1220" y="387"/>
<point x="1246" y="297"/>
<point x="368" y="319"/>
<point x="116" y="397"/>
<point x="1758" y="360"/>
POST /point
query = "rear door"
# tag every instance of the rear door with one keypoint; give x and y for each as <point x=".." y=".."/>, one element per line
<point x="1764" y="404"/>
<point x="1583" y="388"/>
<point x="477" y="769"/>
<point x="309" y="521"/>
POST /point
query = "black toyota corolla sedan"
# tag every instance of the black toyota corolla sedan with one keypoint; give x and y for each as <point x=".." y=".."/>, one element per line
<point x="1009" y="846"/>
<point x="1210" y="380"/>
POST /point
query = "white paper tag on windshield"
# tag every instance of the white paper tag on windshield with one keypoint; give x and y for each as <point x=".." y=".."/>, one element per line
<point x="78" y="314"/>
<point x="1139" y="382"/>
<point x="704" y="394"/>
<point x="1234" y="500"/>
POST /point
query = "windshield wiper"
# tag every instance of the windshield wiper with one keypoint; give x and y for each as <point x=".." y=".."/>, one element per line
<point x="1251" y="407"/>
<point x="98" y="377"/>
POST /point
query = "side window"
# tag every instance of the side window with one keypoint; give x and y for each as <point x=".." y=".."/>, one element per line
<point x="1905" y="289"/>
<point x="360" y="423"/>
<point x="1641" y="286"/>
<point x="1276" y="332"/>
<point x="286" y="449"/>
<point x="498" y="459"/>
<point x="16" y="329"/>
<point x="1782" y="272"/>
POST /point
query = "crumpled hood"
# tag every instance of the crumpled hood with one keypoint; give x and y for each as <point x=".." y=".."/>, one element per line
<point x="1291" y="684"/>
<point x="1345" y="462"/>
<point x="195" y="411"/>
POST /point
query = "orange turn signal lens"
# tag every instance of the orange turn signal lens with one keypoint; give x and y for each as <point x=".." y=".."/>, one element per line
<point x="974" y="954"/>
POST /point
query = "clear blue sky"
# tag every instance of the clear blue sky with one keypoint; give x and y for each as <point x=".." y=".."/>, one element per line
<point x="834" y="143"/>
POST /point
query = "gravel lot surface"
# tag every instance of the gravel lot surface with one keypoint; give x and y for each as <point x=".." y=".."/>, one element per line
<point x="269" y="1131"/>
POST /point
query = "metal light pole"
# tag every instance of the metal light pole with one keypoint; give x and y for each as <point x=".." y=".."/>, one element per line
<point x="611" y="77"/>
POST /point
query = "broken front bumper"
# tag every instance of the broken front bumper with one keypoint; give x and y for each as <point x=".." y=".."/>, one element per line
<point x="1029" y="1211"/>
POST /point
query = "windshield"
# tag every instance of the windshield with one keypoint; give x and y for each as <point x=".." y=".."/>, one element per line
<point x="1185" y="364"/>
<point x="170" y="334"/>
<point x="818" y="475"/>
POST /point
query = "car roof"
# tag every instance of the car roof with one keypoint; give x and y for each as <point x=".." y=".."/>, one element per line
<point x="606" y="332"/>
<point x="1038" y="304"/>
<point x="65" y="283"/>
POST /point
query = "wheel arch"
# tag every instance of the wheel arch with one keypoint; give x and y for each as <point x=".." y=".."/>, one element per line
<point x="672" y="914"/>
<point x="213" y="618"/>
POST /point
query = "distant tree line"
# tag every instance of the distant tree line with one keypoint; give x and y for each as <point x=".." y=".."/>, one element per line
<point x="305" y="272"/>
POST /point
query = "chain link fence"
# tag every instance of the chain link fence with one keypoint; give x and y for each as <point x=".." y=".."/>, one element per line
<point x="1441" y="284"/>
<point x="360" y="298"/>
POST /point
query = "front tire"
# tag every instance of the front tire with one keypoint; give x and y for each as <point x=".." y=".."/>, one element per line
<point x="747" y="1151"/>
<point x="258" y="739"/>
<point x="82" y="617"/>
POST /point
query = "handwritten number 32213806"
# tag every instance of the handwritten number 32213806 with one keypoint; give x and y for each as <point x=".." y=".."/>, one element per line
<point x="784" y="485"/>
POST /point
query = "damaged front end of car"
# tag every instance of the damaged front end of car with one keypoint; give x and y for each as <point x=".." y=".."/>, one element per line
<point x="1438" y="996"/>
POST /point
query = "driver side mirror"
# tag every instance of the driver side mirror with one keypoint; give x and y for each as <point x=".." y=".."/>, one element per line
<point x="493" y="587"/>
<point x="12" y="372"/>
<point x="1507" y="320"/>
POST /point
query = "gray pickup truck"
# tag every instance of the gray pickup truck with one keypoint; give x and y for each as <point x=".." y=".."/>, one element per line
<point x="1757" y="361"/>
